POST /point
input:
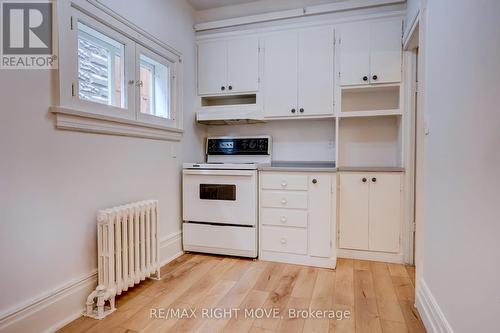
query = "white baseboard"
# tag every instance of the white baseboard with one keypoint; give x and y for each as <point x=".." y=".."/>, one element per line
<point x="52" y="310"/>
<point x="432" y="316"/>
<point x="396" y="258"/>
<point x="57" y="308"/>
<point x="170" y="247"/>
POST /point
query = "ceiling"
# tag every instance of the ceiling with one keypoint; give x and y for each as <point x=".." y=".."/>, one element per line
<point x="210" y="4"/>
<point x="255" y="5"/>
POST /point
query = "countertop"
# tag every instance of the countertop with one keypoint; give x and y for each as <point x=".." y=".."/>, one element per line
<point x="371" y="169"/>
<point x="322" y="166"/>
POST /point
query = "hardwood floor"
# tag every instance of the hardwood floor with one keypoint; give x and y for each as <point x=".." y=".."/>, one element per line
<point x="378" y="296"/>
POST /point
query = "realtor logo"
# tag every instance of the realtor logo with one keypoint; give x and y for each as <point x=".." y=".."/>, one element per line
<point x="28" y="35"/>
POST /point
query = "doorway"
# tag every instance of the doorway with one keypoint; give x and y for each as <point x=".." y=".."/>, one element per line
<point x="414" y="125"/>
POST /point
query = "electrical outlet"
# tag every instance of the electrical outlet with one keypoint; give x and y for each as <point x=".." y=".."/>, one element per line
<point x="173" y="150"/>
<point x="427" y="129"/>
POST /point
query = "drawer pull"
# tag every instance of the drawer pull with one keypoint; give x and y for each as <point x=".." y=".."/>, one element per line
<point x="284" y="184"/>
<point x="283" y="241"/>
<point x="283" y="219"/>
<point x="284" y="201"/>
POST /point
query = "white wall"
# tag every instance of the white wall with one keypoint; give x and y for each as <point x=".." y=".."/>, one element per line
<point x="370" y="141"/>
<point x="253" y="8"/>
<point x="52" y="182"/>
<point x="412" y="9"/>
<point x="293" y="140"/>
<point x="460" y="246"/>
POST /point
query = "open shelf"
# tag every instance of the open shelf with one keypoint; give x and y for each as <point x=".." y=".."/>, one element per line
<point x="373" y="113"/>
<point x="370" y="142"/>
<point x="247" y="99"/>
<point x="370" y="101"/>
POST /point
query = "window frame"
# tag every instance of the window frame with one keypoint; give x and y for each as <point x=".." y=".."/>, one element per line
<point x="135" y="40"/>
<point x="170" y="64"/>
<point x="152" y="91"/>
<point x="111" y="66"/>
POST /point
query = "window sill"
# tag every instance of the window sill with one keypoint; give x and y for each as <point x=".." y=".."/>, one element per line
<point x="80" y="121"/>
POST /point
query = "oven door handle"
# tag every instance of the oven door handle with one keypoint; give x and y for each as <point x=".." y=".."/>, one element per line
<point x="244" y="173"/>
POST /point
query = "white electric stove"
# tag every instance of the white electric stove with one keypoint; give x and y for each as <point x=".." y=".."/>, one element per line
<point x="220" y="196"/>
<point x="221" y="166"/>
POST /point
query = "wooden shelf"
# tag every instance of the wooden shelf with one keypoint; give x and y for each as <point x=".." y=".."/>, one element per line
<point x="369" y="141"/>
<point x="371" y="100"/>
<point x="374" y="113"/>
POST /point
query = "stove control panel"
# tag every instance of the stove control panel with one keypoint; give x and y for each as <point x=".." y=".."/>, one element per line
<point x="238" y="146"/>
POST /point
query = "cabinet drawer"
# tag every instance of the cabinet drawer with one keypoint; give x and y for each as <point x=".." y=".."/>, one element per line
<point x="283" y="181"/>
<point x="284" y="240"/>
<point x="284" y="217"/>
<point x="284" y="199"/>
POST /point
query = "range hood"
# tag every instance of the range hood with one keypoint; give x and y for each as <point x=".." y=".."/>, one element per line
<point x="229" y="115"/>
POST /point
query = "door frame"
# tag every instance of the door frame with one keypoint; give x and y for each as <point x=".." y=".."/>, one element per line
<point x="414" y="47"/>
<point x="413" y="153"/>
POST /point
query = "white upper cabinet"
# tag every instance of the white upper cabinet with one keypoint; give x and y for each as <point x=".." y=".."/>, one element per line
<point x="212" y="66"/>
<point x="355" y="54"/>
<point x="385" y="55"/>
<point x="228" y="66"/>
<point x="370" y="52"/>
<point x="243" y="64"/>
<point x="280" y="74"/>
<point x="316" y="71"/>
<point x="299" y="73"/>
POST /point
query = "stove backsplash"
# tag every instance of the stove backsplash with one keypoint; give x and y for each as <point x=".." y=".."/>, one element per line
<point x="293" y="140"/>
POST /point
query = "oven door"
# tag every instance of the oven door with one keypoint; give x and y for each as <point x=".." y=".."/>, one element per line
<point x="220" y="196"/>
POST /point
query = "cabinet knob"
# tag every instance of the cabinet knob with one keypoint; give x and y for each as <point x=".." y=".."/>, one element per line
<point x="301" y="110"/>
<point x="365" y="78"/>
<point x="230" y="87"/>
<point x="283" y="241"/>
<point x="364" y="180"/>
<point x="283" y="201"/>
<point x="222" y="88"/>
<point x="314" y="181"/>
<point x="374" y="179"/>
<point x="284" y="184"/>
<point x="283" y="219"/>
<point x="293" y="110"/>
<point x="374" y="77"/>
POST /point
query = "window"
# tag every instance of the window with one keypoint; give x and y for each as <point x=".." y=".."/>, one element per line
<point x="100" y="67"/>
<point x="155" y="87"/>
<point x="111" y="72"/>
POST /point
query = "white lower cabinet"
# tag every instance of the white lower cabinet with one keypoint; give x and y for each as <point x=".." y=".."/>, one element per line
<point x="297" y="217"/>
<point x="370" y="211"/>
<point x="287" y="240"/>
<point x="284" y="217"/>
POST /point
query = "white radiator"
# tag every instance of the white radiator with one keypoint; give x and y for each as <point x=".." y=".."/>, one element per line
<point x="128" y="252"/>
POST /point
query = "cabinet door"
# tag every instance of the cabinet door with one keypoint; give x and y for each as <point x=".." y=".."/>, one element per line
<point x="320" y="210"/>
<point x="316" y="71"/>
<point x="355" y="53"/>
<point x="280" y="74"/>
<point x="385" y="55"/>
<point x="212" y="62"/>
<point x="353" y="213"/>
<point x="385" y="212"/>
<point x="243" y="64"/>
